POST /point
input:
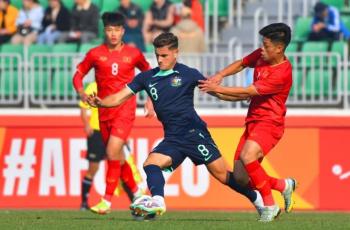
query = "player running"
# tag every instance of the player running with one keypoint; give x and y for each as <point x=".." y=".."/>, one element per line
<point x="96" y="151"/>
<point x="114" y="64"/>
<point x="171" y="88"/>
<point x="265" y="119"/>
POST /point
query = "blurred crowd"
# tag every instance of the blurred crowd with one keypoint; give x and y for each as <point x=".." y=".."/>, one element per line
<point x="58" y="24"/>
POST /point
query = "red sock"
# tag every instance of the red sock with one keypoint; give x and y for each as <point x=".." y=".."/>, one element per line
<point x="261" y="181"/>
<point x="277" y="184"/>
<point x="112" y="178"/>
<point x="128" y="178"/>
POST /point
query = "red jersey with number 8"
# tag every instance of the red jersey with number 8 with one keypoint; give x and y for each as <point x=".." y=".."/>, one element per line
<point x="113" y="70"/>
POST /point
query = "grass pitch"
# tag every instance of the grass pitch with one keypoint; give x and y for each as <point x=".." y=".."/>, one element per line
<point x="196" y="220"/>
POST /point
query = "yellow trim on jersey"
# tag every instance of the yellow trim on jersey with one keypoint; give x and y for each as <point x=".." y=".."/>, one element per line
<point x="94" y="123"/>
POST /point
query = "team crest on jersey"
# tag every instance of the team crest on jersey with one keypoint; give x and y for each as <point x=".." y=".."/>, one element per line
<point x="103" y="58"/>
<point x="127" y="59"/>
<point x="176" y="81"/>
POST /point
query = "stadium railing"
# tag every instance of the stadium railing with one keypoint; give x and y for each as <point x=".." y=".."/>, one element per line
<point x="44" y="79"/>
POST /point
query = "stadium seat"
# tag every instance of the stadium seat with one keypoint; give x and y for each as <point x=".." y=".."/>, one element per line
<point x="11" y="49"/>
<point x="314" y="47"/>
<point x="346" y="20"/>
<point x="222" y="8"/>
<point x="84" y="48"/>
<point x="339" y="48"/>
<point x="40" y="60"/>
<point x="40" y="83"/>
<point x="109" y="5"/>
<point x="292" y="48"/>
<point x="17" y="3"/>
<point x="68" y="3"/>
<point x="337" y="3"/>
<point x="63" y="61"/>
<point x="302" y="29"/>
<point x="318" y="83"/>
<point x="341" y="82"/>
<point x="44" y="3"/>
<point x="144" y="4"/>
<point x="62" y="84"/>
<point x="9" y="83"/>
<point x="297" y="83"/>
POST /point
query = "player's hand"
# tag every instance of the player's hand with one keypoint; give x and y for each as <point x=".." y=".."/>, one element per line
<point x="217" y="78"/>
<point x="88" y="130"/>
<point x="208" y="86"/>
<point x="94" y="101"/>
<point x="149" y="110"/>
<point x="83" y="96"/>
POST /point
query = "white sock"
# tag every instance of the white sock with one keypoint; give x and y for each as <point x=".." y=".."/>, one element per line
<point x="159" y="200"/>
<point x="258" y="201"/>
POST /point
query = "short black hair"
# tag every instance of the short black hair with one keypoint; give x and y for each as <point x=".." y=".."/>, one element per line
<point x="166" y="39"/>
<point x="319" y="8"/>
<point x="277" y="32"/>
<point x="113" y="19"/>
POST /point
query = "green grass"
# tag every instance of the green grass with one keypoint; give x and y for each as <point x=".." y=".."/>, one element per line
<point x="197" y="220"/>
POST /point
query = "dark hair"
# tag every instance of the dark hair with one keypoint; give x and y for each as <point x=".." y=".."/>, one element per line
<point x="113" y="19"/>
<point x="319" y="8"/>
<point x="277" y="32"/>
<point x="166" y="39"/>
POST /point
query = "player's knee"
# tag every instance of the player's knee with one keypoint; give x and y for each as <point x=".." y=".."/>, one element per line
<point x="248" y="156"/>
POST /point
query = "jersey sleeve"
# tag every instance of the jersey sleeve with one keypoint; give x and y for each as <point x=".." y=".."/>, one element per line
<point x="82" y="69"/>
<point x="197" y="76"/>
<point x="251" y="59"/>
<point x="142" y="64"/>
<point x="275" y="83"/>
<point x="137" y="84"/>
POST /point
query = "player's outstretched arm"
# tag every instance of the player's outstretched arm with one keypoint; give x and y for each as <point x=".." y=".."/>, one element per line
<point x="113" y="100"/>
<point x="231" y="69"/>
<point x="241" y="92"/>
<point x="227" y="97"/>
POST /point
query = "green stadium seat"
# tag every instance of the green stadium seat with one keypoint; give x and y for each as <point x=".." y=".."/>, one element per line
<point x="62" y="84"/>
<point x="69" y="4"/>
<point x="297" y="83"/>
<point x="109" y="5"/>
<point x="98" y="3"/>
<point x="302" y="29"/>
<point x="346" y="20"/>
<point x="292" y="48"/>
<point x="314" y="47"/>
<point x="341" y="82"/>
<point x="63" y="61"/>
<point x="149" y="48"/>
<point x="44" y="3"/>
<point x="11" y="49"/>
<point x="84" y="48"/>
<point x="40" y="84"/>
<point x="318" y="83"/>
<point x="337" y="3"/>
<point x="9" y="82"/>
<point x="41" y="60"/>
<point x="17" y="3"/>
<point x="339" y="48"/>
<point x="222" y="8"/>
<point x="144" y="4"/>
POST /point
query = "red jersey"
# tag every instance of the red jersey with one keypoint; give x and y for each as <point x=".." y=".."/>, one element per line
<point x="272" y="83"/>
<point x="113" y="70"/>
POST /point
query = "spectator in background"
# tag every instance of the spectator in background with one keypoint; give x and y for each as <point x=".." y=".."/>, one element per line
<point x="197" y="12"/>
<point x="133" y="28"/>
<point x="159" y="19"/>
<point x="191" y="37"/>
<point x="8" y="16"/>
<point x="28" y="23"/>
<point x="84" y="23"/>
<point x="327" y="24"/>
<point x="56" y="20"/>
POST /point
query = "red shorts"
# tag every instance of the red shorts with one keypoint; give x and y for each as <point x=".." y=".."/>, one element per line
<point x="119" y="127"/>
<point x="266" y="134"/>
